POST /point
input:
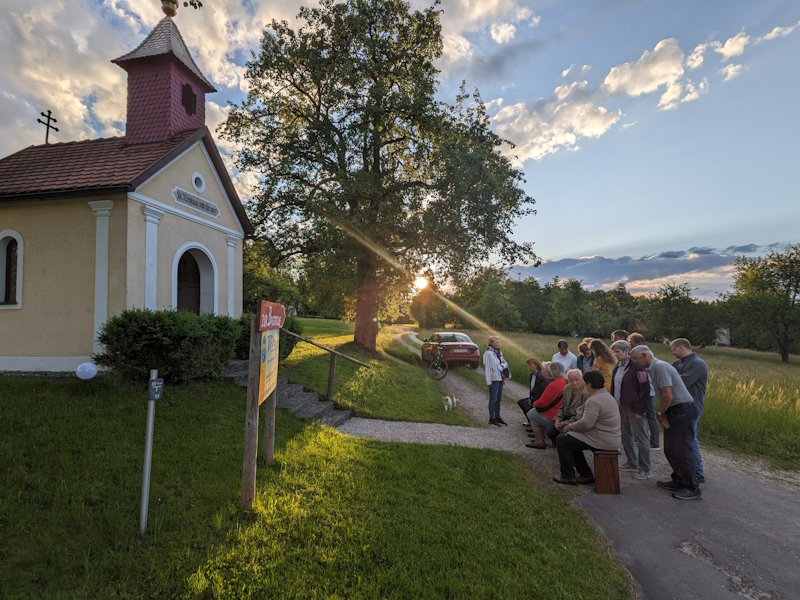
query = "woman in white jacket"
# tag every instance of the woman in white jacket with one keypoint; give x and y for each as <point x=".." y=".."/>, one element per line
<point x="493" y="365"/>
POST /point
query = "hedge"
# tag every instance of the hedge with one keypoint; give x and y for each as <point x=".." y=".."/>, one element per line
<point x="183" y="346"/>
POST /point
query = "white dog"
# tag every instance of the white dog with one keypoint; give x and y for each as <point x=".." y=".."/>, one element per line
<point x="450" y="401"/>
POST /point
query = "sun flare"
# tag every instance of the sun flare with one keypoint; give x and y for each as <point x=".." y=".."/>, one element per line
<point x="420" y="283"/>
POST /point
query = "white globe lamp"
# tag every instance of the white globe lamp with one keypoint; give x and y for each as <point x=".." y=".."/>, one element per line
<point x="86" y="371"/>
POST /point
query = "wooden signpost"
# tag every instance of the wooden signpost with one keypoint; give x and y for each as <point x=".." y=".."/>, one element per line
<point x="262" y="380"/>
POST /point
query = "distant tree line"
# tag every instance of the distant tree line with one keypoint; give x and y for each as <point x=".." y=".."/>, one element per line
<point x="762" y="312"/>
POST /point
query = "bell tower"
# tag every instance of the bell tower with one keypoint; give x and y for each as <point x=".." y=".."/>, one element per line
<point x="166" y="89"/>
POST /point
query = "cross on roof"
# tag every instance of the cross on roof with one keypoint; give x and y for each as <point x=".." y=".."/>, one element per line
<point x="49" y="127"/>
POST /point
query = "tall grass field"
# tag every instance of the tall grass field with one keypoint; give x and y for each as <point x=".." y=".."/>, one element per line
<point x="752" y="404"/>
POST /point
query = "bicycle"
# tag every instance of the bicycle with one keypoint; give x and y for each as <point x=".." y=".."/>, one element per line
<point x="438" y="368"/>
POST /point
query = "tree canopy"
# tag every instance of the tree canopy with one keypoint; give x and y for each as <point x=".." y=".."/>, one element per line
<point x="358" y="161"/>
<point x="765" y="302"/>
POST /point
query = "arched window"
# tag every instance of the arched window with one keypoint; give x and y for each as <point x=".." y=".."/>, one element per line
<point x="10" y="269"/>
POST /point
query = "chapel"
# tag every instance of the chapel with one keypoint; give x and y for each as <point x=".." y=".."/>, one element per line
<point x="148" y="220"/>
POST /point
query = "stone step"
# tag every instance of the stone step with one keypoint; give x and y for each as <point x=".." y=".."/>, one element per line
<point x="292" y="397"/>
<point x="314" y="410"/>
<point x="335" y="418"/>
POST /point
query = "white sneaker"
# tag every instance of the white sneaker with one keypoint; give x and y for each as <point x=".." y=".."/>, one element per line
<point x="655" y="447"/>
<point x="642" y="475"/>
<point x="627" y="468"/>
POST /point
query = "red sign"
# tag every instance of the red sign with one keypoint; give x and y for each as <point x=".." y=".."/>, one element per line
<point x="271" y="316"/>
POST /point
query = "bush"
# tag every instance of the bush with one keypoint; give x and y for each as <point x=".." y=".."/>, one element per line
<point x="287" y="342"/>
<point x="183" y="346"/>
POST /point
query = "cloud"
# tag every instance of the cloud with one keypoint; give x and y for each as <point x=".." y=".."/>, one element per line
<point x="663" y="67"/>
<point x="506" y="56"/>
<point x="503" y="32"/>
<point x="695" y="59"/>
<point x="544" y="127"/>
<point x="526" y="14"/>
<point x="573" y="68"/>
<point x="709" y="269"/>
<point x="733" y="46"/>
<point x="628" y="125"/>
<point x="777" y="32"/>
<point x="730" y="71"/>
<point x="694" y="92"/>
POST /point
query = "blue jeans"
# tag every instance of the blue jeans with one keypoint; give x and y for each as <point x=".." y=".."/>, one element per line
<point x="495" y="396"/>
<point x="635" y="439"/>
<point x="570" y="456"/>
<point x="650" y="412"/>
<point x="679" y="442"/>
<point x="552" y="433"/>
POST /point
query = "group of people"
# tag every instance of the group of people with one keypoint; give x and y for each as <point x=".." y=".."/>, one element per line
<point x="603" y="399"/>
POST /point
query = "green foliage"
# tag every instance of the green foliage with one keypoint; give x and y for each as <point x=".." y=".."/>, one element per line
<point x="183" y="346"/>
<point x="286" y="344"/>
<point x="357" y="159"/>
<point x="335" y="517"/>
<point x="673" y="312"/>
<point x="765" y="304"/>
<point x="260" y="281"/>
<point x="429" y="309"/>
<point x="571" y="312"/>
<point x="496" y="311"/>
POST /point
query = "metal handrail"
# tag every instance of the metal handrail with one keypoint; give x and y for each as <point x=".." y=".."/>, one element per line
<point x="331" y="350"/>
<point x="334" y="354"/>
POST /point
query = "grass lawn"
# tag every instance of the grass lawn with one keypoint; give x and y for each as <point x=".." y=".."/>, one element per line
<point x="753" y="400"/>
<point x="395" y="388"/>
<point x="335" y="517"/>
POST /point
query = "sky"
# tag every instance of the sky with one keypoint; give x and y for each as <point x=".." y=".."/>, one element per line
<point x="659" y="138"/>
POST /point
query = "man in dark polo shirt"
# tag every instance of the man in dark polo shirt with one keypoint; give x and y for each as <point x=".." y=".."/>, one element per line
<point x="694" y="372"/>
<point x="676" y="412"/>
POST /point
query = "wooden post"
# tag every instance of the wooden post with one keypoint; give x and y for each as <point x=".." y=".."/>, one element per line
<point x="251" y="419"/>
<point x="269" y="427"/>
<point x="331" y="374"/>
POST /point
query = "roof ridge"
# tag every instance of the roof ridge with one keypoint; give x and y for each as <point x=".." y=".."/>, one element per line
<point x="72" y="142"/>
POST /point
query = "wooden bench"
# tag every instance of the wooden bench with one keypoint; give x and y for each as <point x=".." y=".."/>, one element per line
<point x="606" y="472"/>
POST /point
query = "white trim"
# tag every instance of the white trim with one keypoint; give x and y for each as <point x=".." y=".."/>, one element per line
<point x="215" y="276"/>
<point x="198" y="188"/>
<point x="183" y="214"/>
<point x="152" y="217"/>
<point x="102" y="212"/>
<point x="42" y="363"/>
<point x="231" y="273"/>
<point x="216" y="177"/>
<point x="10" y="233"/>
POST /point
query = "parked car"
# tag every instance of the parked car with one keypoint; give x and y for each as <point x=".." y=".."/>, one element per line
<point x="457" y="348"/>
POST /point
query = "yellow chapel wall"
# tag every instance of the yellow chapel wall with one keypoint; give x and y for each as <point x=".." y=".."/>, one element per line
<point x="57" y="314"/>
<point x="179" y="174"/>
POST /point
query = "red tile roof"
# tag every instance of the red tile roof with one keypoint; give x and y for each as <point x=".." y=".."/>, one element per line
<point x="99" y="166"/>
<point x="165" y="39"/>
<point x="90" y="164"/>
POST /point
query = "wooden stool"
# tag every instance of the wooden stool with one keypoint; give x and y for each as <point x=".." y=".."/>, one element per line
<point x="606" y="472"/>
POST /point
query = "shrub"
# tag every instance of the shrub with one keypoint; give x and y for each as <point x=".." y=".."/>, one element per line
<point x="287" y="342"/>
<point x="183" y="346"/>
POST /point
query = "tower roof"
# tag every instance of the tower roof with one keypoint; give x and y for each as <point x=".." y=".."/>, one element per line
<point x="165" y="39"/>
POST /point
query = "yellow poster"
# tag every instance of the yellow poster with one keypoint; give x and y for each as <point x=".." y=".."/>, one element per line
<point x="268" y="375"/>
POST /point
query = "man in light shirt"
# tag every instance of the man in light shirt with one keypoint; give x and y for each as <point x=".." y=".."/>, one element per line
<point x="566" y="358"/>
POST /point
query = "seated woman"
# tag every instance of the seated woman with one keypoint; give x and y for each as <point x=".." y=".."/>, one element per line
<point x="545" y="408"/>
<point x="604" y="361"/>
<point x="585" y="358"/>
<point x="538" y="381"/>
<point x="597" y="429"/>
<point x="575" y="395"/>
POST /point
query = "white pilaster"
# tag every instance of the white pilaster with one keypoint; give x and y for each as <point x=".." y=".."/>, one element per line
<point x="152" y="217"/>
<point x="232" y="240"/>
<point x="102" y="212"/>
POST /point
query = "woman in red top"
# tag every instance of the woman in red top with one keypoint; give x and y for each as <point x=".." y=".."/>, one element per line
<point x="546" y="407"/>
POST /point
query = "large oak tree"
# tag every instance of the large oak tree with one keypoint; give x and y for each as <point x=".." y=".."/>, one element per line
<point x="358" y="160"/>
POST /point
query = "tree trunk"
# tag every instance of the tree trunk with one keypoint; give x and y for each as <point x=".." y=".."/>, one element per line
<point x="366" y="333"/>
